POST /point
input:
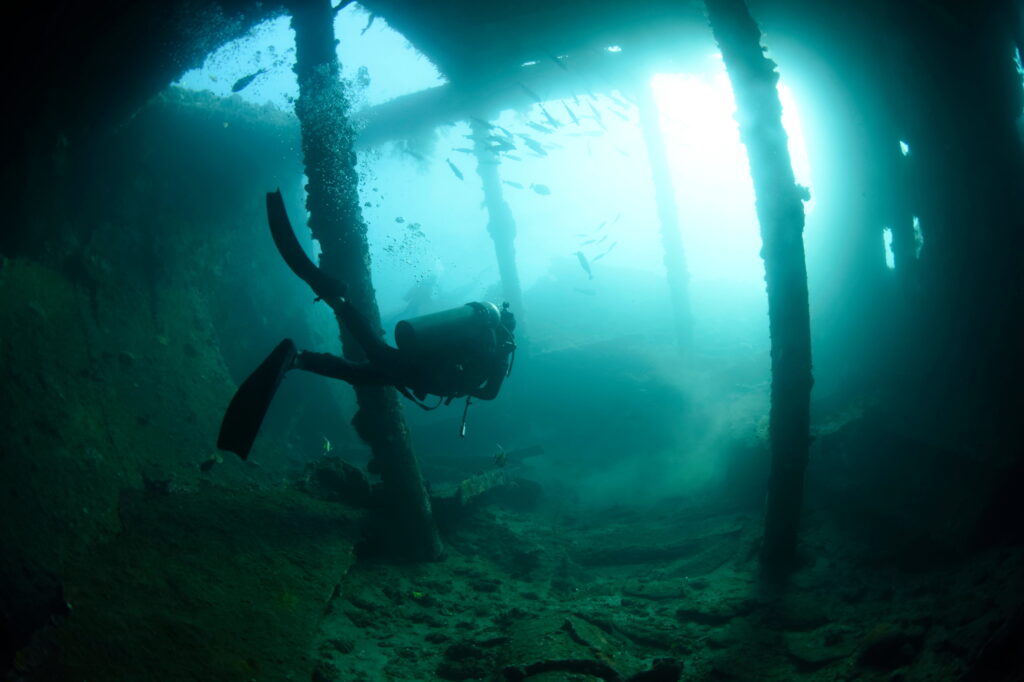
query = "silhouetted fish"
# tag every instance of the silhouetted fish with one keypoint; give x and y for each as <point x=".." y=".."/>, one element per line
<point x="541" y="189"/>
<point x="605" y="252"/>
<point x="538" y="127"/>
<point x="597" y="114"/>
<point x="616" y="100"/>
<point x="588" y="292"/>
<point x="533" y="95"/>
<point x="589" y="241"/>
<point x="415" y="155"/>
<point x="513" y="184"/>
<point x="571" y="114"/>
<point x="551" y="119"/>
<point x="619" y="114"/>
<point x="369" y="23"/>
<point x="558" y="61"/>
<point x="500" y="144"/>
<point x="245" y="81"/>
<point x="584" y="264"/>
<point x="455" y="169"/>
<point x="534" y="145"/>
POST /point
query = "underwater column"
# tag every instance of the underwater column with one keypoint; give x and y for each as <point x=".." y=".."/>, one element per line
<point x="500" y="224"/>
<point x="668" y="214"/>
<point x="780" y="213"/>
<point x="403" y="522"/>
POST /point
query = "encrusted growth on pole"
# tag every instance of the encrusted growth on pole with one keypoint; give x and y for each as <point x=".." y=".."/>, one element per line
<point x="404" y="527"/>
<point x="781" y="215"/>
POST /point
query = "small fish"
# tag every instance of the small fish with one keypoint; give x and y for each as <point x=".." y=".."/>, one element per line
<point x="500" y="457"/>
<point x="551" y="119"/>
<point x="597" y="114"/>
<point x="482" y="122"/>
<point x="571" y="114"/>
<point x="513" y="157"/>
<point x="513" y="184"/>
<point x="415" y="155"/>
<point x="327" y="447"/>
<point x="535" y="146"/>
<point x="369" y="23"/>
<point x="601" y="240"/>
<point x="539" y="128"/>
<point x="501" y="145"/>
<point x="575" y="99"/>
<point x="455" y="169"/>
<point x="533" y="95"/>
<point x="617" y="216"/>
<point x="589" y="241"/>
<point x="543" y="190"/>
<point x="606" y="252"/>
<point x="463" y="150"/>
<point x="584" y="264"/>
<point x="601" y="226"/>
<point x="244" y="82"/>
<point x="617" y="101"/>
<point x="619" y="114"/>
<point x="588" y="292"/>
<point x="558" y="60"/>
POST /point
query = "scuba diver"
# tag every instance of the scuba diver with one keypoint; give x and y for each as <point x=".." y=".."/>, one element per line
<point x="461" y="352"/>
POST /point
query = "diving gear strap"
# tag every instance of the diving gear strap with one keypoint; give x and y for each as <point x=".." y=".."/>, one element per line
<point x="465" y="413"/>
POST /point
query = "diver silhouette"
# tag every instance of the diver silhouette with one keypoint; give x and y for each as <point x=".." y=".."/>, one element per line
<point x="461" y="352"/>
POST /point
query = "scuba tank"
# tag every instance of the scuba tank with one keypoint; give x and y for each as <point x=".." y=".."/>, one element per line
<point x="456" y="328"/>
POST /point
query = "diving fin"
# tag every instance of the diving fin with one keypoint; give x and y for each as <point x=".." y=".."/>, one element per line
<point x="246" y="411"/>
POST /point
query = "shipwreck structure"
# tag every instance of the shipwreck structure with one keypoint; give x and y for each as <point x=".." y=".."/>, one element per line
<point x="120" y="301"/>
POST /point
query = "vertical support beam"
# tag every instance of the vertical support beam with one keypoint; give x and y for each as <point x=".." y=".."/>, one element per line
<point x="664" y="195"/>
<point x="404" y="524"/>
<point x="500" y="223"/>
<point x="781" y="215"/>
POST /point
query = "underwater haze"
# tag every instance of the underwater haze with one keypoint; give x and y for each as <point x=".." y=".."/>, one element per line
<point x="756" y="418"/>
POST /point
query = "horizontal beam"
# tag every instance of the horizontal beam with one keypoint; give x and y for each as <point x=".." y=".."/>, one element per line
<point x="592" y="72"/>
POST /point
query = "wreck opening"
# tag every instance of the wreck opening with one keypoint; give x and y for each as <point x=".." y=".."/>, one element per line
<point x="377" y="62"/>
